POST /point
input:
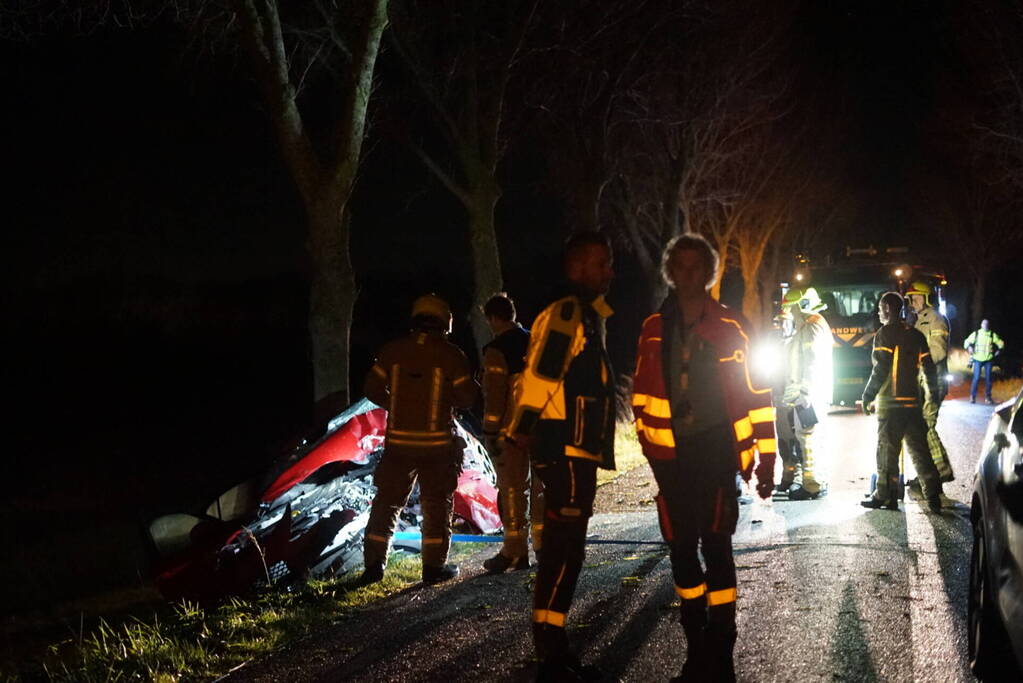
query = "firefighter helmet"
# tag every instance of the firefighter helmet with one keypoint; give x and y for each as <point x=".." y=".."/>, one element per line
<point x="808" y="300"/>
<point x="921" y="288"/>
<point x="431" y="306"/>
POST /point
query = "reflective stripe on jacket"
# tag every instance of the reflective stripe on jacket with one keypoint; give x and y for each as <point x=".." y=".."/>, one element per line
<point x="567" y="385"/>
<point x="900" y="352"/>
<point x="503" y="361"/>
<point x="749" y="407"/>
<point x="934" y="327"/>
<point x="419" y="379"/>
<point x="984" y="343"/>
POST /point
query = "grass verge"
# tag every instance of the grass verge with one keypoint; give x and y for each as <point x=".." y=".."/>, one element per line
<point x="628" y="454"/>
<point x="187" y="642"/>
<point x="1004" y="389"/>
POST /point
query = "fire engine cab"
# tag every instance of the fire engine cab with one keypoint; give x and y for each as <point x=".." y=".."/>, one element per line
<point x="851" y="286"/>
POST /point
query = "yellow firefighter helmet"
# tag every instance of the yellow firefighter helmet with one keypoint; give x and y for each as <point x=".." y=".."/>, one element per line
<point x="808" y="300"/>
<point x="921" y="288"/>
<point x="432" y="306"/>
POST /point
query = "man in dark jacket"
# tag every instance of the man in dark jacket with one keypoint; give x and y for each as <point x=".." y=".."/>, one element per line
<point x="504" y="358"/>
<point x="419" y="379"/>
<point x="564" y="417"/>
<point x="700" y="419"/>
<point x="900" y="352"/>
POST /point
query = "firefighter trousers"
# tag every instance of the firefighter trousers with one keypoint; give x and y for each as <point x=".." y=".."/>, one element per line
<point x="570" y="485"/>
<point x="395" y="476"/>
<point x="698" y="517"/>
<point x="895" y="426"/>
<point x="519" y="494"/>
<point x="806" y="472"/>
<point x="937" y="449"/>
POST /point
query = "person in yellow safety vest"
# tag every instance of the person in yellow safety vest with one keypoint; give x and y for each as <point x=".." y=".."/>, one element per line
<point x="808" y="389"/>
<point x="934" y="326"/>
<point x="519" y="490"/>
<point x="983" y="345"/>
<point x="420" y="378"/>
<point x="564" y="417"/>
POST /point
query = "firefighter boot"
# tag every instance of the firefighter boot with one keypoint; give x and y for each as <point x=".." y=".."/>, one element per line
<point x="557" y="662"/>
<point x="373" y="573"/>
<point x="500" y="563"/>
<point x="721" y="636"/>
<point x="432" y="575"/>
<point x="694" y="624"/>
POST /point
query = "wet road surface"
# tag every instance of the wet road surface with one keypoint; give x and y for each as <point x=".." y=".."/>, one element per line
<point x="828" y="591"/>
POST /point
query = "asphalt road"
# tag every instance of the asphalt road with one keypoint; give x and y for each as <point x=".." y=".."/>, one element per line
<point x="828" y="591"/>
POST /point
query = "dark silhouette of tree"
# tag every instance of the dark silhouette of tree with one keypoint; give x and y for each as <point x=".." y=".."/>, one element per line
<point x="461" y="56"/>
<point x="311" y="57"/>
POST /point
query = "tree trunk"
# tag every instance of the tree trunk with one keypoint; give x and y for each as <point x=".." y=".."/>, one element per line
<point x="751" y="306"/>
<point x="486" y="258"/>
<point x="332" y="295"/>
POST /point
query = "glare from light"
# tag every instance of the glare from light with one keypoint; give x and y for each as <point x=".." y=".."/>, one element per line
<point x="949" y="377"/>
<point x="898" y="272"/>
<point x="766" y="359"/>
<point x="799" y="277"/>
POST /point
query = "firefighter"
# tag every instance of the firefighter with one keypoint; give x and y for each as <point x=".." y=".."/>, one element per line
<point x="564" y="418"/>
<point x="934" y="326"/>
<point x="899" y="354"/>
<point x="808" y="387"/>
<point x="503" y="361"/>
<point x="420" y="378"/>
<point x="983" y="345"/>
<point x="700" y="420"/>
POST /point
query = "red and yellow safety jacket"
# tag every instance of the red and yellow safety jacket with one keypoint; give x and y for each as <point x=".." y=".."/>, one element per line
<point x="749" y="407"/>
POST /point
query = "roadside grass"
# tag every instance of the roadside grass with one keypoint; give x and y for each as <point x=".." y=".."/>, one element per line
<point x="187" y="641"/>
<point x="628" y="455"/>
<point x="1004" y="389"/>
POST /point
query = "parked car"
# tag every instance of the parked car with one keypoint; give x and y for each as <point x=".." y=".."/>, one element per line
<point x="306" y="517"/>
<point x="996" y="563"/>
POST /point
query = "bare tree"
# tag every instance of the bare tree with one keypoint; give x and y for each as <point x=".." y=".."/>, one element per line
<point x="462" y="55"/>
<point x="694" y="150"/>
<point x="600" y="49"/>
<point x="329" y="44"/>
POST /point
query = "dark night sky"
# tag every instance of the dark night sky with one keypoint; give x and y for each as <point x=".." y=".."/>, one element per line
<point x="154" y="250"/>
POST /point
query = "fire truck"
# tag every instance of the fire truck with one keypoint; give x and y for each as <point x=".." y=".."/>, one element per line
<point x="851" y="285"/>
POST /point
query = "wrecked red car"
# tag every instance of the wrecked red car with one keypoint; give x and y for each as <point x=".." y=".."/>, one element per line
<point x="309" y="521"/>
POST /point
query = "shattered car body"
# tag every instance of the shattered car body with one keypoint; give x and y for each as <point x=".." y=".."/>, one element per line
<point x="310" y="520"/>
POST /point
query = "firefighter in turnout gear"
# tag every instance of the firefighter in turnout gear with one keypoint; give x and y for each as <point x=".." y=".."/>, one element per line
<point x="700" y="420"/>
<point x="807" y="390"/>
<point x="983" y="345"/>
<point x="564" y="416"/>
<point x="420" y="379"/>
<point x="934" y="327"/>
<point x="900" y="353"/>
<point x="503" y="361"/>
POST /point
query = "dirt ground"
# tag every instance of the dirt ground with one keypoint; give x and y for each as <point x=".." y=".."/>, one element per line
<point x="630" y="491"/>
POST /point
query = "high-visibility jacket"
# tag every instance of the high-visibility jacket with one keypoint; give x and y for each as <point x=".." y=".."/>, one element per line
<point x="749" y="407"/>
<point x="504" y="358"/>
<point x="934" y="327"/>
<point x="985" y="344"/>
<point x="565" y="397"/>
<point x="809" y="361"/>
<point x="900" y="353"/>
<point x="419" y="378"/>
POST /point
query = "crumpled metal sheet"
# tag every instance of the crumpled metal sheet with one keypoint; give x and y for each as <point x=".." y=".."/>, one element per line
<point x="310" y="520"/>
